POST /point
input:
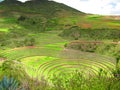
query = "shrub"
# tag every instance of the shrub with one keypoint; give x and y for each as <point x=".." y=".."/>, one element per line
<point x="8" y="84"/>
<point x="29" y="41"/>
<point x="12" y="68"/>
<point x="97" y="34"/>
<point x="21" y="18"/>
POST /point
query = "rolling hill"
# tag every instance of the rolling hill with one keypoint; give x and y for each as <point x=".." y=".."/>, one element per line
<point x="56" y="14"/>
<point x="46" y="45"/>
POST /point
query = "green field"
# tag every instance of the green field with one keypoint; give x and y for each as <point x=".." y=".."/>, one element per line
<point x="61" y="50"/>
<point x="54" y="59"/>
<point x="4" y="29"/>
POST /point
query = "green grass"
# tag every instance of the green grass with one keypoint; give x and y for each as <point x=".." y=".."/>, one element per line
<point x="32" y="63"/>
<point x="56" y="46"/>
<point x="94" y="17"/>
<point x="47" y="66"/>
<point x="27" y="52"/>
<point x="34" y="58"/>
<point x="4" y="29"/>
<point x="48" y="56"/>
<point x="114" y="23"/>
<point x="52" y="59"/>
<point x="1" y="62"/>
<point x="49" y="38"/>
<point x="9" y="20"/>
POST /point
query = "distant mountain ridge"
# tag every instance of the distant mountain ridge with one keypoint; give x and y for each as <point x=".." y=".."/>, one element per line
<point x="54" y="14"/>
<point x="34" y="2"/>
<point x="43" y="7"/>
<point x="39" y="14"/>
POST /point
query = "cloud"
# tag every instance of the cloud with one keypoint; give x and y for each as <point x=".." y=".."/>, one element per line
<point x="104" y="7"/>
<point x="84" y="0"/>
<point x="23" y="0"/>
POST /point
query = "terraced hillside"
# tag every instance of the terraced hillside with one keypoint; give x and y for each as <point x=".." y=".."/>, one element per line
<point x="50" y="59"/>
<point x="54" y="62"/>
<point x="43" y="38"/>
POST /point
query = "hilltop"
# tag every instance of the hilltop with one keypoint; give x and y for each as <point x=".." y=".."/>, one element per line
<point x="51" y="14"/>
<point x="47" y="12"/>
<point x="43" y="7"/>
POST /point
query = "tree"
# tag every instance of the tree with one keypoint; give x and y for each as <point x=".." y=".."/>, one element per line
<point x="21" y="18"/>
<point x="29" y="41"/>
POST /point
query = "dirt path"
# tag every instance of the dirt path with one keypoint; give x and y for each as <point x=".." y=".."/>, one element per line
<point x="2" y="59"/>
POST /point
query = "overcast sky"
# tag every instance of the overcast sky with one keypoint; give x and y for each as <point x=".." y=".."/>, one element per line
<point x="103" y="7"/>
<point x="106" y="7"/>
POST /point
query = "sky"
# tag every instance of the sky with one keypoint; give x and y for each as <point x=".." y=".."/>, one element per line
<point x="102" y="7"/>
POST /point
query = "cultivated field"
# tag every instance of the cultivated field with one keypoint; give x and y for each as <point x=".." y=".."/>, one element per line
<point x="52" y="58"/>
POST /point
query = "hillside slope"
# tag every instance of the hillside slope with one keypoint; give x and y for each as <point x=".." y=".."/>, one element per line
<point x="39" y="13"/>
<point x="53" y="15"/>
<point x="46" y="45"/>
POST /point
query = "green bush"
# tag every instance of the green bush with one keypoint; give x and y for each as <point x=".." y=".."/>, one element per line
<point x="29" y="41"/>
<point x="77" y="81"/>
<point x="12" y="68"/>
<point x="84" y="45"/>
<point x="94" y="34"/>
<point x="8" y="84"/>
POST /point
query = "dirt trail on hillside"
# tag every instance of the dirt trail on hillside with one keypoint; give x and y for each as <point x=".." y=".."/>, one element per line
<point x="2" y="59"/>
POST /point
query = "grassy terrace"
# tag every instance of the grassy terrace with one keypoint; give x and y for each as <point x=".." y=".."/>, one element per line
<point x="46" y="61"/>
<point x="33" y="45"/>
<point x="49" y="57"/>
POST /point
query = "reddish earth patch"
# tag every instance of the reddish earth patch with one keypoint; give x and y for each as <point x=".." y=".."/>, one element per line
<point x="2" y="59"/>
<point x="1" y="11"/>
<point x="113" y="17"/>
<point x="116" y="42"/>
<point x="106" y="20"/>
<point x="84" y="25"/>
<point x="30" y="46"/>
<point x="24" y="47"/>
